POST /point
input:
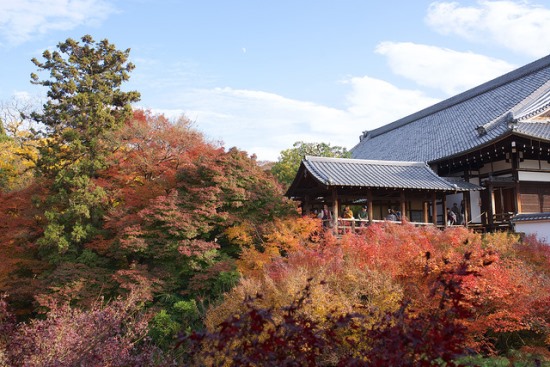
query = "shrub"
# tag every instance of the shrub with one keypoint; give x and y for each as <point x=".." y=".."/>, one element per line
<point x="112" y="334"/>
<point x="402" y="337"/>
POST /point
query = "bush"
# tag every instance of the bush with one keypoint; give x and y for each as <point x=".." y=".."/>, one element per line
<point x="403" y="337"/>
<point x="112" y="334"/>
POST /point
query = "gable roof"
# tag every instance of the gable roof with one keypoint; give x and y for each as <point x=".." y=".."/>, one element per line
<point x="468" y="120"/>
<point x="375" y="174"/>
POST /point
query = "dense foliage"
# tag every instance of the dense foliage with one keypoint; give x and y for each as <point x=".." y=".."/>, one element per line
<point x="85" y="106"/>
<point x="503" y="294"/>
<point x="121" y="229"/>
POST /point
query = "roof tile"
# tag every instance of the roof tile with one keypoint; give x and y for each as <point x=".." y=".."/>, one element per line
<point x="381" y="174"/>
<point x="449" y="127"/>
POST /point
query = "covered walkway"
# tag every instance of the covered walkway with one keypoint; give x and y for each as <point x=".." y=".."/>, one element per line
<point x="410" y="189"/>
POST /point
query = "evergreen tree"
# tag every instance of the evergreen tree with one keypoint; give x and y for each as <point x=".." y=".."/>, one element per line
<point x="287" y="165"/>
<point x="85" y="106"/>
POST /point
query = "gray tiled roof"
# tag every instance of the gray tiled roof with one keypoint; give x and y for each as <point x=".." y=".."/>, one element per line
<point x="537" y="104"/>
<point x="531" y="217"/>
<point x="463" y="185"/>
<point x="450" y="127"/>
<point x="381" y="174"/>
<point x="534" y="129"/>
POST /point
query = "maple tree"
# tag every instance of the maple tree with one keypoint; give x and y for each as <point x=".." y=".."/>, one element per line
<point x="504" y="292"/>
<point x="287" y="334"/>
<point x="174" y="197"/>
<point x="113" y="334"/>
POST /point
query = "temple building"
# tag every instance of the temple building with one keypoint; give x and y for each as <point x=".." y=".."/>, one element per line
<point x="486" y="150"/>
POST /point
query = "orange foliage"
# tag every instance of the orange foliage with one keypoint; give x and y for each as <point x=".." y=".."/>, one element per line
<point x="20" y="221"/>
<point x="507" y="290"/>
<point x="278" y="238"/>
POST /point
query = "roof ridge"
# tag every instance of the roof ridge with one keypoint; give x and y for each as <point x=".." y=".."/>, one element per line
<point x="524" y="109"/>
<point x="464" y="96"/>
<point x="364" y="161"/>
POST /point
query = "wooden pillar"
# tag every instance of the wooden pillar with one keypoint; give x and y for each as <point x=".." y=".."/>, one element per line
<point x="403" y="205"/>
<point x="444" y="205"/>
<point x="466" y="198"/>
<point x="491" y="214"/>
<point x="518" y="198"/>
<point x="515" y="175"/>
<point x="307" y="206"/>
<point x="425" y="205"/>
<point x="370" y="205"/>
<point x="335" y="205"/>
<point x="434" y="208"/>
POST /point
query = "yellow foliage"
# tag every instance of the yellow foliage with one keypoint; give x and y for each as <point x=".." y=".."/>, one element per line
<point x="239" y="234"/>
<point x="338" y="286"/>
<point x="16" y="164"/>
<point x="282" y="237"/>
<point x="293" y="234"/>
<point x="501" y="242"/>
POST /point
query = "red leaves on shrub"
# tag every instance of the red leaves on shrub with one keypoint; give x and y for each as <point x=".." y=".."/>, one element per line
<point x="400" y="338"/>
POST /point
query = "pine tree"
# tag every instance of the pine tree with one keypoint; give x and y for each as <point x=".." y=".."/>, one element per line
<point x="85" y="106"/>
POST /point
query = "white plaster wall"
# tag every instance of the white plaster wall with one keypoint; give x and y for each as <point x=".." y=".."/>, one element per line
<point x="529" y="164"/>
<point x="540" y="229"/>
<point x="534" y="176"/>
<point x="475" y="209"/>
<point x="454" y="198"/>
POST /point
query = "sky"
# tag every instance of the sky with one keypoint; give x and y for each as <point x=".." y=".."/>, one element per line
<point x="262" y="74"/>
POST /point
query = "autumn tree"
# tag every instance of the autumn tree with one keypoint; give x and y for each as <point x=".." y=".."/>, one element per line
<point x="18" y="152"/>
<point x="289" y="161"/>
<point x="505" y="289"/>
<point x="106" y="334"/>
<point x="85" y="106"/>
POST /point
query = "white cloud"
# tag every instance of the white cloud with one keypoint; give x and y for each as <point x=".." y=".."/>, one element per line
<point x="521" y="26"/>
<point x="265" y="123"/>
<point x="377" y="102"/>
<point x="22" y="20"/>
<point x="444" y="69"/>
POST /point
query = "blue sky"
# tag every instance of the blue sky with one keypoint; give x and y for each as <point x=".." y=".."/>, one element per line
<point x="262" y="74"/>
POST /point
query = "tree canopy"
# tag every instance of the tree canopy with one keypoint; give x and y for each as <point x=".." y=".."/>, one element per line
<point x="85" y="106"/>
<point x="135" y="229"/>
<point x="289" y="161"/>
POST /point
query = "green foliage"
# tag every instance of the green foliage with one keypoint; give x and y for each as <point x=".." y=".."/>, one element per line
<point x="85" y="106"/>
<point x="188" y="315"/>
<point x="163" y="329"/>
<point x="516" y="359"/>
<point x="289" y="161"/>
<point x="85" y="103"/>
<point x="183" y="316"/>
<point x="90" y="258"/>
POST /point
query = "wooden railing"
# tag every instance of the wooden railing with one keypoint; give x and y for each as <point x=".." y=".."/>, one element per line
<point x="356" y="225"/>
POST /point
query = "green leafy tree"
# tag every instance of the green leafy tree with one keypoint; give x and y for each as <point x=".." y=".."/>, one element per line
<point x="85" y="106"/>
<point x="289" y="161"/>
